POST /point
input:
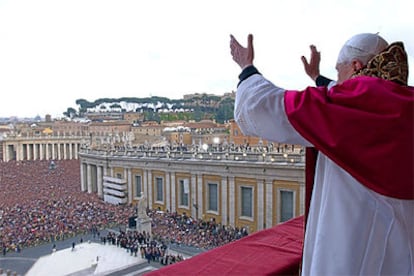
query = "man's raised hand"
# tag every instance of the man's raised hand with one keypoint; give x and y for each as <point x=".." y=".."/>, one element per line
<point x="241" y="55"/>
<point x="312" y="68"/>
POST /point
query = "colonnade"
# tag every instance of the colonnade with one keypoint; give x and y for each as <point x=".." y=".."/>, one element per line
<point x="40" y="149"/>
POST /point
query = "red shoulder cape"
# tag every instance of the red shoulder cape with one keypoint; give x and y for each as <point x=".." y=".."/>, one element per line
<point x="365" y="126"/>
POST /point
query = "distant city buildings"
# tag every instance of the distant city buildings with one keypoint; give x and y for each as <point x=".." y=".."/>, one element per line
<point x="62" y="139"/>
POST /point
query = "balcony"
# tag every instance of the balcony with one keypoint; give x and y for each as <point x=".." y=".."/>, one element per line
<point x="115" y="200"/>
<point x="274" y="251"/>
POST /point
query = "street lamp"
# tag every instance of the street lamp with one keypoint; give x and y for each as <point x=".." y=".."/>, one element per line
<point x="204" y="147"/>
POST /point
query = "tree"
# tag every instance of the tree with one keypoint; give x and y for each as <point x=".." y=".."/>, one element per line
<point x="70" y="112"/>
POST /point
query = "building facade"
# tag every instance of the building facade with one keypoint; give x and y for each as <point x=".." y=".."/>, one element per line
<point x="256" y="190"/>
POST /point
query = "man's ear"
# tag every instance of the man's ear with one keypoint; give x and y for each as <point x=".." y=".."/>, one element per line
<point x="357" y="65"/>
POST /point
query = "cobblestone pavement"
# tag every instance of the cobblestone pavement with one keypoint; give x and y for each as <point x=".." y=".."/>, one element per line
<point x="21" y="263"/>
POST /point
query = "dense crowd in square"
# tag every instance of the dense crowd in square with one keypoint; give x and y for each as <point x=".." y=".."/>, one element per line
<point x="40" y="203"/>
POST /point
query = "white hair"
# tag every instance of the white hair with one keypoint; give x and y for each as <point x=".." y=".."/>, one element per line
<point x="362" y="47"/>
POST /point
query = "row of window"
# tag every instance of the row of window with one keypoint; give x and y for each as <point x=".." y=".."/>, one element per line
<point x="286" y="197"/>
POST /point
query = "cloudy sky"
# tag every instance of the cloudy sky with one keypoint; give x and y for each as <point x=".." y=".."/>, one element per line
<point x="55" y="52"/>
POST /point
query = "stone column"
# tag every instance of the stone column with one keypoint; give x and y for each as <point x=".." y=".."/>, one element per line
<point x="32" y="151"/>
<point x="19" y="152"/>
<point x="224" y="201"/>
<point x="82" y="176"/>
<point x="41" y="151"/>
<point x="45" y="157"/>
<point x="28" y="151"/>
<point x="193" y="199"/>
<point x="302" y="192"/>
<point x="89" y="178"/>
<point x="259" y="202"/>
<point x="65" y="151"/>
<point x="53" y="151"/>
<point x="168" y="192"/>
<point x="46" y="150"/>
<point x="269" y="203"/>
<point x="99" y="180"/>
<point x="149" y="187"/>
<point x="59" y="152"/>
<point x="145" y="183"/>
<point x="128" y="174"/>
<point x="35" y="151"/>
<point x="6" y="152"/>
<point x="71" y="151"/>
<point x="173" y="194"/>
<point x="200" y="195"/>
<point x="76" y="150"/>
<point x="232" y="203"/>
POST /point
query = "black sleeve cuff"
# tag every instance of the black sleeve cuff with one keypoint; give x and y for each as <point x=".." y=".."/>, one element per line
<point x="247" y="72"/>
<point x="322" y="81"/>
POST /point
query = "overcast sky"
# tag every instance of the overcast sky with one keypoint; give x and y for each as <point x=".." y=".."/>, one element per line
<point x="55" y="52"/>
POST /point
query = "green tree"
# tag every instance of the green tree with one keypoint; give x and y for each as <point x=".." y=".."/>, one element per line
<point x="70" y="112"/>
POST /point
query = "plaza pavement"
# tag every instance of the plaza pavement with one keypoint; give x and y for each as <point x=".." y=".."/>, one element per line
<point x="88" y="258"/>
<point x="85" y="259"/>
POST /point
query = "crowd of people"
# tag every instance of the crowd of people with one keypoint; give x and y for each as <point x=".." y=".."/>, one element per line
<point x="229" y="148"/>
<point x="171" y="227"/>
<point x="137" y="243"/>
<point x="40" y="203"/>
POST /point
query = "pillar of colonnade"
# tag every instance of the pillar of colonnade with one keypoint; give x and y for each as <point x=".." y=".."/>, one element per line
<point x="200" y="201"/>
<point x="43" y="151"/>
<point x="128" y="175"/>
<point x="260" y="204"/>
<point x="59" y="152"/>
<point x="20" y="153"/>
<point x="89" y="177"/>
<point x="87" y="184"/>
<point x="149" y="187"/>
<point x="168" y="191"/>
<point x="99" y="179"/>
<point x="269" y="203"/>
<point x="193" y="196"/>
<point x="232" y="196"/>
<point x="35" y="151"/>
<point x="224" y="199"/>
<point x="172" y="185"/>
<point x="53" y="151"/>
<point x="145" y="185"/>
<point x="82" y="177"/>
<point x="77" y="151"/>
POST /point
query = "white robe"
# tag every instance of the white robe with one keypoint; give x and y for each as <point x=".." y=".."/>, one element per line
<point x="351" y="230"/>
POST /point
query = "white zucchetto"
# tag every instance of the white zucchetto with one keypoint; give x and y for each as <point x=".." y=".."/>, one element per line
<point x="362" y="47"/>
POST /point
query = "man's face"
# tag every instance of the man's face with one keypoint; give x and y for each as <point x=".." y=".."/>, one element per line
<point x="345" y="71"/>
